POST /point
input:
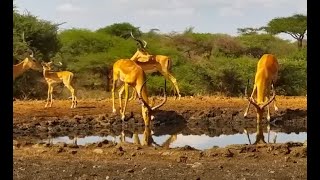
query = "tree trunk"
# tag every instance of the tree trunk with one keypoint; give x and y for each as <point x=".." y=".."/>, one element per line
<point x="300" y="43"/>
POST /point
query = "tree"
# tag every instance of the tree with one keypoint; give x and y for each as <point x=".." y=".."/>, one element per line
<point x="121" y="30"/>
<point x="40" y="35"/>
<point x="295" y="26"/>
<point x="249" y="30"/>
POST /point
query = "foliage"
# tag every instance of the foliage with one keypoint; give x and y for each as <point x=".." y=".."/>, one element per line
<point x="202" y="63"/>
<point x="289" y="83"/>
<point x="40" y="36"/>
<point x="121" y="30"/>
<point x="295" y="26"/>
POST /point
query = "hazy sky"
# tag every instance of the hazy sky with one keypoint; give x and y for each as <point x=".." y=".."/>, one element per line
<point x="212" y="16"/>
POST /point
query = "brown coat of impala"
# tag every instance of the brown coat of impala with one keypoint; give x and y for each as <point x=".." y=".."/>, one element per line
<point x="266" y="76"/>
<point x="132" y="75"/>
<point x="154" y="63"/>
<point x="26" y="64"/>
<point x="53" y="78"/>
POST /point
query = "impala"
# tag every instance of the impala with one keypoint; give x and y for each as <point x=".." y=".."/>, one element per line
<point x="132" y="74"/>
<point x="266" y="75"/>
<point x="153" y="63"/>
<point x="26" y="64"/>
<point x="53" y="78"/>
<point x="260" y="136"/>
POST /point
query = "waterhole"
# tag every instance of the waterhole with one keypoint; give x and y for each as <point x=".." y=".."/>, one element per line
<point x="200" y="142"/>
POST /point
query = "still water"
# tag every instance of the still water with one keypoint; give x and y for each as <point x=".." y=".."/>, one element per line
<point x="200" y="142"/>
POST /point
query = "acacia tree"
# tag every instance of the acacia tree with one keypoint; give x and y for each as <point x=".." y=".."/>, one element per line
<point x="295" y="26"/>
<point x="121" y="30"/>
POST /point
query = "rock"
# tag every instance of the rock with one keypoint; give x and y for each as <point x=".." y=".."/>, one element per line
<point x="78" y="117"/>
<point x="228" y="153"/>
<point x="59" y="150"/>
<point x="16" y="143"/>
<point x="73" y="151"/>
<point x="196" y="165"/>
<point x="98" y="151"/>
<point x="36" y="146"/>
<point x="105" y="141"/>
<point x="73" y="146"/>
<point x="61" y="144"/>
<point x="129" y="170"/>
<point x="182" y="159"/>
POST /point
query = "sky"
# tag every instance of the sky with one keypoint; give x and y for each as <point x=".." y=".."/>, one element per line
<point x="205" y="16"/>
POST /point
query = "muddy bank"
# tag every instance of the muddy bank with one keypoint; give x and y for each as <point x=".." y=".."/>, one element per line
<point x="108" y="160"/>
<point x="143" y="159"/>
<point x="212" y="123"/>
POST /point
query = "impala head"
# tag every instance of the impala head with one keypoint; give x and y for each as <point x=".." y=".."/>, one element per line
<point x="147" y="110"/>
<point x="47" y="65"/>
<point x="30" y="62"/>
<point x="259" y="106"/>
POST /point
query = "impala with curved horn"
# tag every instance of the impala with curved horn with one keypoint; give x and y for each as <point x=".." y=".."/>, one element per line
<point x="132" y="74"/>
<point x="153" y="63"/>
<point x="26" y="64"/>
<point x="266" y="76"/>
<point x="52" y="78"/>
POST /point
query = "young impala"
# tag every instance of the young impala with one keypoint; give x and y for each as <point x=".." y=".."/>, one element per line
<point x="131" y="74"/>
<point x="53" y="78"/>
<point x="266" y="76"/>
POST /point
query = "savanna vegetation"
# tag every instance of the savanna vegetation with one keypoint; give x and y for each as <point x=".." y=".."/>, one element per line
<point x="203" y="63"/>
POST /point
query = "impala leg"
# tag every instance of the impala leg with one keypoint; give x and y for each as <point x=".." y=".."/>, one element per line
<point x="168" y="76"/>
<point x="112" y="92"/>
<point x="120" y="96"/>
<point x="48" y="98"/>
<point x="136" y="139"/>
<point x="134" y="95"/>
<point x="247" y="109"/>
<point x="71" y="89"/>
<point x="268" y="130"/>
<point x="122" y="137"/>
<point x="126" y="94"/>
<point x="268" y="113"/>
<point x="274" y="101"/>
<point x="275" y="137"/>
<point x="51" y="99"/>
<point x="245" y="131"/>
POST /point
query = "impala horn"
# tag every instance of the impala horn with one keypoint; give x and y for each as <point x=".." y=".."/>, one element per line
<point x="146" y="104"/>
<point x="142" y="45"/>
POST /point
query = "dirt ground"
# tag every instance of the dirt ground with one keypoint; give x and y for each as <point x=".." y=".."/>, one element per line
<point x="191" y="115"/>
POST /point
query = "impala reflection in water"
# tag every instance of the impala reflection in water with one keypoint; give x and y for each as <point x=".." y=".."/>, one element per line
<point x="248" y="136"/>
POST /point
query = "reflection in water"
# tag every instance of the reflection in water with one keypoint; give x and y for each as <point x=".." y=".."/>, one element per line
<point x="197" y="141"/>
<point x="260" y="136"/>
<point x="147" y="139"/>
